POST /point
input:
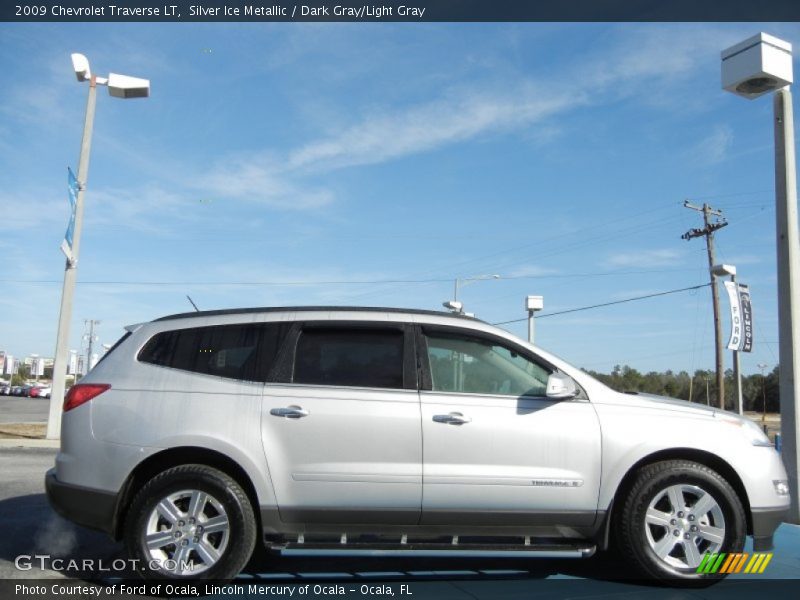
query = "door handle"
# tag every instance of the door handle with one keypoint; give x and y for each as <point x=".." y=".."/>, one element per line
<point x="290" y="412"/>
<point x="454" y="418"/>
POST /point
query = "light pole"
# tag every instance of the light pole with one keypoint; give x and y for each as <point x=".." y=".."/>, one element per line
<point x="721" y="271"/>
<point x="119" y="86"/>
<point x="750" y="69"/>
<point x="533" y="304"/>
<point x="454" y="304"/>
<point x="461" y="282"/>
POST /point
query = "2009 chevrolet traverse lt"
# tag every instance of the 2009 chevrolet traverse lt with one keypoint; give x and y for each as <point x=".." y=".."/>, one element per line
<point x="370" y="431"/>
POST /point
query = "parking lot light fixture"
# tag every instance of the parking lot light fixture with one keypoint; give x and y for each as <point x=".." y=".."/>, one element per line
<point x="119" y="86"/>
<point x="750" y="69"/>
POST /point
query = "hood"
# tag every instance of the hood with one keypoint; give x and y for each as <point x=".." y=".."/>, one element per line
<point x="666" y="402"/>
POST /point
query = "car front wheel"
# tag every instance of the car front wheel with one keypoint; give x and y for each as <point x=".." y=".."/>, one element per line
<point x="675" y="513"/>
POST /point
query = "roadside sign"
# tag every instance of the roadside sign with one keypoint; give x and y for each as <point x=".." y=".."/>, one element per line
<point x="72" y="188"/>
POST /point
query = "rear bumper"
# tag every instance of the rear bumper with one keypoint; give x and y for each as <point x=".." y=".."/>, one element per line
<point x="91" y="508"/>
<point x="765" y="522"/>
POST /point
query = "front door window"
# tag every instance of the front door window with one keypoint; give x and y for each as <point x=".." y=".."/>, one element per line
<point x="477" y="366"/>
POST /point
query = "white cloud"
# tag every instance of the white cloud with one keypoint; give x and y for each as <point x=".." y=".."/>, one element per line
<point x="531" y="271"/>
<point x="641" y="57"/>
<point x="393" y="134"/>
<point x="646" y="258"/>
<point x="634" y="60"/>
<point x="712" y="149"/>
<point x="259" y="180"/>
<point x="29" y="209"/>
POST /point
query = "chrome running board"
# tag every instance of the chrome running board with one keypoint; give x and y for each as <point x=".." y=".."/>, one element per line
<point x="559" y="549"/>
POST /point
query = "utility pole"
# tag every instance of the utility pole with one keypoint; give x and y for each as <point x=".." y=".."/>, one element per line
<point x="92" y="338"/>
<point x="708" y="233"/>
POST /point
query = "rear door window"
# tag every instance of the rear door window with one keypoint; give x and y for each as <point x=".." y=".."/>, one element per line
<point x="244" y="352"/>
<point x="350" y="357"/>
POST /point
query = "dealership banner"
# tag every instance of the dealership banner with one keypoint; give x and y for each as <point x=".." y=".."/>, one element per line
<point x="747" y="318"/>
<point x="72" y="188"/>
<point x="741" y="317"/>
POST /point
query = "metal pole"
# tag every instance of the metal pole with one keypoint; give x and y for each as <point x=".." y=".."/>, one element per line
<point x="715" y="301"/>
<point x="70" y="275"/>
<point x="531" y="321"/>
<point x="737" y="373"/>
<point x="788" y="291"/>
<point x="90" y="347"/>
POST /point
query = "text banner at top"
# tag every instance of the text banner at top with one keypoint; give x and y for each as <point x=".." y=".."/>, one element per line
<point x="407" y="11"/>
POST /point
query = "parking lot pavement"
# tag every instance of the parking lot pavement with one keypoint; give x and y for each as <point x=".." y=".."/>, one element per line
<point x="28" y="526"/>
<point x="17" y="409"/>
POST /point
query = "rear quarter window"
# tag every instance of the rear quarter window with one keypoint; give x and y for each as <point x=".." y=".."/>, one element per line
<point x="244" y="352"/>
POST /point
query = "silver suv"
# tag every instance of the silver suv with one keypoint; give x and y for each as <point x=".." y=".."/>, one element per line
<point x="375" y="432"/>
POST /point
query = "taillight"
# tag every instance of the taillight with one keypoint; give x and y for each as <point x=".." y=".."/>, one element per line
<point x="83" y="392"/>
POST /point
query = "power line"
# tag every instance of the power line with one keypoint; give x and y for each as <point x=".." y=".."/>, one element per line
<point x="713" y="197"/>
<point x="340" y="282"/>
<point x="572" y="310"/>
<point x="543" y="242"/>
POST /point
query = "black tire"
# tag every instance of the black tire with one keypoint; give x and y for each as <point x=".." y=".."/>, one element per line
<point x="225" y="508"/>
<point x="639" y="539"/>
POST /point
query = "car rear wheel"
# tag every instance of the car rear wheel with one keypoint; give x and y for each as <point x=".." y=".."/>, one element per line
<point x="675" y="513"/>
<point x="191" y="522"/>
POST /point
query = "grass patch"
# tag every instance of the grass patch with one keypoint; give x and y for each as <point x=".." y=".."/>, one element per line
<point x="31" y="431"/>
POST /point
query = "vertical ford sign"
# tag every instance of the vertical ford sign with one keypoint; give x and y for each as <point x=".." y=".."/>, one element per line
<point x="66" y="244"/>
<point x="741" y="317"/>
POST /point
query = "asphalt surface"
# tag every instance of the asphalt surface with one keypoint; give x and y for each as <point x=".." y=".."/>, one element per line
<point x="18" y="409"/>
<point x="28" y="526"/>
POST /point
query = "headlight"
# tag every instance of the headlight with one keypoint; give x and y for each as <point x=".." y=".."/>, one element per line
<point x="749" y="429"/>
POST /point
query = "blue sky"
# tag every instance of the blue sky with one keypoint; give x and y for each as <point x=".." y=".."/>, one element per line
<point x="555" y="155"/>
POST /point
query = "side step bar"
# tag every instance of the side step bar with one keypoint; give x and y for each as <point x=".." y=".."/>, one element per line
<point x="437" y="550"/>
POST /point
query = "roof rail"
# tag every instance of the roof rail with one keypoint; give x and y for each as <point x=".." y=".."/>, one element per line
<point x="272" y="309"/>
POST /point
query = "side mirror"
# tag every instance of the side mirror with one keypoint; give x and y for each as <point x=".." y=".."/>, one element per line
<point x="561" y="387"/>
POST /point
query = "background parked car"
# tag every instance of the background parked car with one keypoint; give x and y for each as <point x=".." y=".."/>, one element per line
<point x="5" y="389"/>
<point x="40" y="391"/>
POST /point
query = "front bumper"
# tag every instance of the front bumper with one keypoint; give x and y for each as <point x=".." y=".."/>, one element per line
<point x="91" y="508"/>
<point x="765" y="522"/>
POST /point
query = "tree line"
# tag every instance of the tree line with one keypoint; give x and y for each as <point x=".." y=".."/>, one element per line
<point x="758" y="392"/>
